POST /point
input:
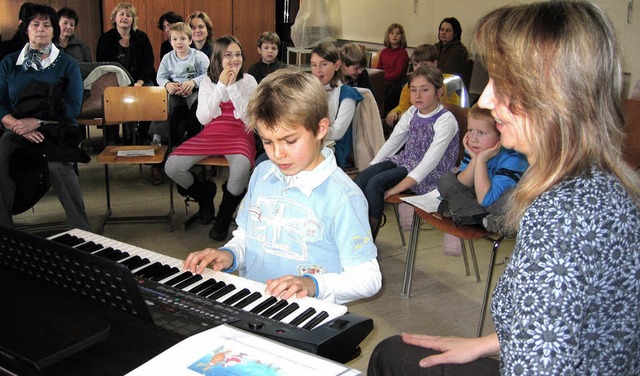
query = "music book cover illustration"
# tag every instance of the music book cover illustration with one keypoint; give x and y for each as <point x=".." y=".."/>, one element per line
<point x="228" y="351"/>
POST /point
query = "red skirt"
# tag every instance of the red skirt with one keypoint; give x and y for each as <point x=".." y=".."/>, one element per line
<point x="223" y="135"/>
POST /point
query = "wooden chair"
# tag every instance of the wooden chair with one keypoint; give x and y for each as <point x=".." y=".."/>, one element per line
<point x="212" y="161"/>
<point x="133" y="104"/>
<point x="468" y="233"/>
<point x="631" y="109"/>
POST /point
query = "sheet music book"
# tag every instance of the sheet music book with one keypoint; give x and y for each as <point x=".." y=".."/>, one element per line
<point x="136" y="153"/>
<point x="428" y="202"/>
<point x="225" y="350"/>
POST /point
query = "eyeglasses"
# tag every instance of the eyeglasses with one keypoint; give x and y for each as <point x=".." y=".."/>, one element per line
<point x="230" y="55"/>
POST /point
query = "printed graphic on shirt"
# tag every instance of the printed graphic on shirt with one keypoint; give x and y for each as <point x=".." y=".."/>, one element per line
<point x="190" y="71"/>
<point x="312" y="269"/>
<point x="284" y="227"/>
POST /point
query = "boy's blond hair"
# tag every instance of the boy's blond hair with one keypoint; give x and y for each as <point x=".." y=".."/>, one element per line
<point x="351" y="54"/>
<point x="481" y="114"/>
<point x="269" y="37"/>
<point x="288" y="98"/>
<point x="180" y="27"/>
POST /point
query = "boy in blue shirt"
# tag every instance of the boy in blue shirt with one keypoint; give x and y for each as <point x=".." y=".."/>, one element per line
<point x="302" y="226"/>
<point x="488" y="172"/>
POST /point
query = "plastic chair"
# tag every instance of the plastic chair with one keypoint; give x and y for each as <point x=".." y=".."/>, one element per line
<point x="134" y="104"/>
<point x="468" y="233"/>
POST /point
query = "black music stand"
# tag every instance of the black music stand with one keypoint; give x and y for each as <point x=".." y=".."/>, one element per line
<point x="70" y="312"/>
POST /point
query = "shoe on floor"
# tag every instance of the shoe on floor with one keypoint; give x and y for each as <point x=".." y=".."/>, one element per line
<point x="156" y="175"/>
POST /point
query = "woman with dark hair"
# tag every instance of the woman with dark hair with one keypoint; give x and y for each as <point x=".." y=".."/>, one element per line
<point x="67" y="42"/>
<point x="164" y="24"/>
<point x="453" y="56"/>
<point x="39" y="68"/>
<point x="568" y="300"/>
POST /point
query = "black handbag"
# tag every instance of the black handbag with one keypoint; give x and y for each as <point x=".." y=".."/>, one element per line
<point x="29" y="170"/>
<point x="43" y="101"/>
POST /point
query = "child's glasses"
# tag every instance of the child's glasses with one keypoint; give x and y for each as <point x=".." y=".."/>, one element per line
<point x="230" y="55"/>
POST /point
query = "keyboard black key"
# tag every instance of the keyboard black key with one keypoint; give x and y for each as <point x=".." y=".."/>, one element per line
<point x="237" y="296"/>
<point x="248" y="300"/>
<point x="150" y="270"/>
<point x="179" y="278"/>
<point x="189" y="281"/>
<point x="275" y="308"/>
<point x="286" y="311"/>
<point x="166" y="272"/>
<point x="112" y="254"/>
<point x="107" y="252"/>
<point x="211" y="289"/>
<point x="135" y="262"/>
<point x="222" y="292"/>
<point x="90" y="247"/>
<point x="264" y="305"/>
<point x="69" y="240"/>
<point x="303" y="316"/>
<point x="316" y="320"/>
<point x="209" y="282"/>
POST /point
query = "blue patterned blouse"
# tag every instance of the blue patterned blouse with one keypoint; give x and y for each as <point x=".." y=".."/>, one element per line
<point x="568" y="302"/>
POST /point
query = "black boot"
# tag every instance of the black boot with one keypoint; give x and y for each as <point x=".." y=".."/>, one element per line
<point x="228" y="206"/>
<point x="203" y="193"/>
<point x="375" y="226"/>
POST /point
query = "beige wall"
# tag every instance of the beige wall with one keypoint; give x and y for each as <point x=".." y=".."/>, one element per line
<point x="367" y="20"/>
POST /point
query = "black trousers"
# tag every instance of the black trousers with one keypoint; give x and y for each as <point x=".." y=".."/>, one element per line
<point x="394" y="357"/>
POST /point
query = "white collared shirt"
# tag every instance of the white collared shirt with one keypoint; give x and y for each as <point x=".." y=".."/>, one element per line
<point x="45" y="62"/>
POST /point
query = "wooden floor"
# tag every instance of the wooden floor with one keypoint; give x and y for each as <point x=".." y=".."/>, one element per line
<point x="444" y="301"/>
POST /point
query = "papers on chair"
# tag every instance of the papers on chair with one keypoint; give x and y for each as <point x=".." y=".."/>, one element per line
<point x="225" y="350"/>
<point x="428" y="202"/>
<point x="136" y="152"/>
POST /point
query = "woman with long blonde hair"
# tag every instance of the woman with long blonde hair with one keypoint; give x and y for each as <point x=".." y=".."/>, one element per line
<point x="567" y="302"/>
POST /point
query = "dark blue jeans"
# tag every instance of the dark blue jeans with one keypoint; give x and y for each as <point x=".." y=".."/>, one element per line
<point x="393" y="357"/>
<point x="377" y="179"/>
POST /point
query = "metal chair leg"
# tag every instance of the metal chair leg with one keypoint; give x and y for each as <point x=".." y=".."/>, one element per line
<point x="397" y="213"/>
<point x="464" y="256"/>
<point x="475" y="260"/>
<point x="411" y="256"/>
<point x="487" y="286"/>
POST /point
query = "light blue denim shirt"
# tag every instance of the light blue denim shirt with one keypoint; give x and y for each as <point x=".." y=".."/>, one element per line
<point x="314" y="222"/>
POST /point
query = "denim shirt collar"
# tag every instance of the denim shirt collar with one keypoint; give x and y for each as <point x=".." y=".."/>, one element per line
<point x="307" y="181"/>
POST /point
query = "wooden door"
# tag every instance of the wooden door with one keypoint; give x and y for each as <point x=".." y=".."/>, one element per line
<point x="250" y="18"/>
<point x="245" y="19"/>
